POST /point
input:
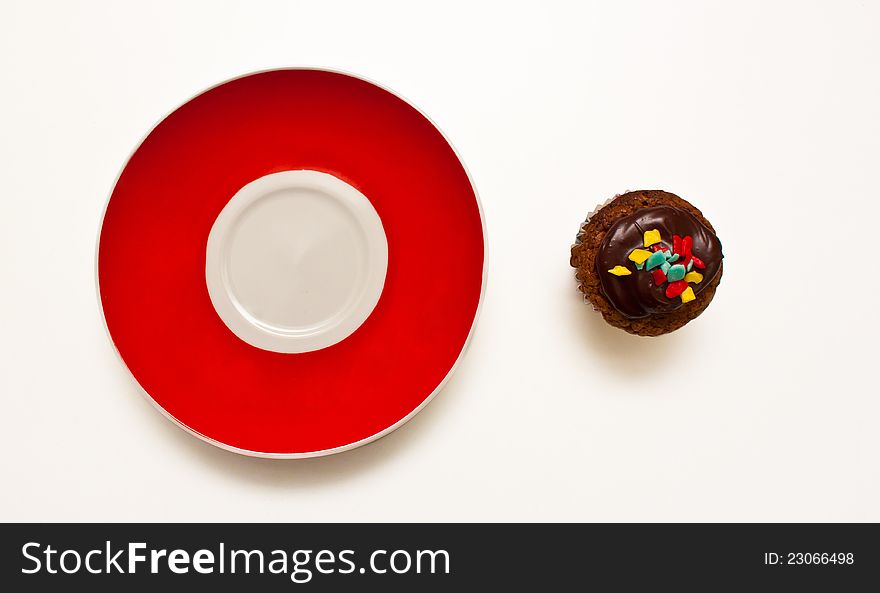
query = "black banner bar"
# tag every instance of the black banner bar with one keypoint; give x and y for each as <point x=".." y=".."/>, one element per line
<point x="438" y="557"/>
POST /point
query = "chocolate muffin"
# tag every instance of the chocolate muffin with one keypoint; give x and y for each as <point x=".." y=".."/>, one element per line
<point x="648" y="261"/>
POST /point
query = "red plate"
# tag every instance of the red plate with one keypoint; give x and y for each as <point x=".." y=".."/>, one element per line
<point x="152" y="262"/>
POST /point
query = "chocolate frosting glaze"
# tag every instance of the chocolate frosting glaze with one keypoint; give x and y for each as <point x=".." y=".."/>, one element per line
<point x="636" y="295"/>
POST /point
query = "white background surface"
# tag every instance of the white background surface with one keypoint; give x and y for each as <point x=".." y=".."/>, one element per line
<point x="763" y="114"/>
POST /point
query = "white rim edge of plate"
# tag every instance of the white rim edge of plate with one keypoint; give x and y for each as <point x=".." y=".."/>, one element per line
<point x="341" y="448"/>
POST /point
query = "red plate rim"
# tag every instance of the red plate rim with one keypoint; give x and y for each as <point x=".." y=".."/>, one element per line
<point x="323" y="452"/>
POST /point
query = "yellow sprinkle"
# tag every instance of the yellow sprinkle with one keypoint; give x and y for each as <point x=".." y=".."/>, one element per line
<point x="688" y="295"/>
<point x="694" y="277"/>
<point x="639" y="255"/>
<point x="620" y="271"/>
<point x="652" y="237"/>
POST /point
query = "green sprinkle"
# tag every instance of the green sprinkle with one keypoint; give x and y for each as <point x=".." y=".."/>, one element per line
<point x="673" y="259"/>
<point x="690" y="265"/>
<point x="676" y="273"/>
<point x="640" y="266"/>
<point x="655" y="260"/>
<point x="665" y="267"/>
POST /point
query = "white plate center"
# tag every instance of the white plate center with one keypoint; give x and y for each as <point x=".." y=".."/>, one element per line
<point x="296" y="261"/>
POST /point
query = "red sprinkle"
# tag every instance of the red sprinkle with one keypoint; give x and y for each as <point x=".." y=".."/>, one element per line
<point x="676" y="288"/>
<point x="676" y="244"/>
<point x="687" y="244"/>
<point x="698" y="263"/>
<point x="659" y="276"/>
<point x="659" y="247"/>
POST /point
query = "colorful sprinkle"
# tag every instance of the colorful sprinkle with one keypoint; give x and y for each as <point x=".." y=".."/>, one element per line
<point x="655" y="260"/>
<point x="639" y="255"/>
<point x="652" y="237"/>
<point x="676" y="272"/>
<point x="686" y="246"/>
<point x="694" y="277"/>
<point x="673" y="267"/>
<point x="673" y="289"/>
<point x="687" y="243"/>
